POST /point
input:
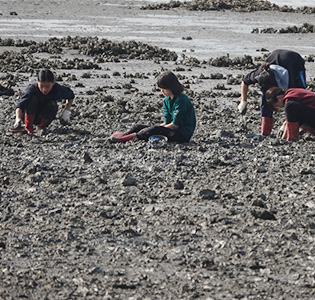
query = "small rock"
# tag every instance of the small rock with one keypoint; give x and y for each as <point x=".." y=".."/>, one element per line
<point x="96" y="270"/>
<point x="87" y="158"/>
<point x="5" y="180"/>
<point x="178" y="185"/>
<point x="129" y="181"/>
<point x="307" y="172"/>
<point x="264" y="215"/>
<point x="261" y="170"/>
<point x="149" y="208"/>
<point x="207" y="194"/>
<point x="259" y="203"/>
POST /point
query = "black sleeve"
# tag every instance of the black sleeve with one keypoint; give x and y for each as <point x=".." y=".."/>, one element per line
<point x="64" y="92"/>
<point x="27" y="94"/>
<point x="251" y="78"/>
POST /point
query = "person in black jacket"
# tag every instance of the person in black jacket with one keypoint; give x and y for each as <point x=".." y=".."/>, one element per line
<point x="282" y="68"/>
<point x="38" y="104"/>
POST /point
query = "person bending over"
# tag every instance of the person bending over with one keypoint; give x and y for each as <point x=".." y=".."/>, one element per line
<point x="282" y="68"/>
<point x="299" y="107"/>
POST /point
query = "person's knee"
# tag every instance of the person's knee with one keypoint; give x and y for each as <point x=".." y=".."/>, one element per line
<point x="290" y="107"/>
<point x="50" y="111"/>
<point x="295" y="112"/>
<point x="136" y="128"/>
<point x="32" y="105"/>
<point x="156" y="127"/>
<point x="145" y="133"/>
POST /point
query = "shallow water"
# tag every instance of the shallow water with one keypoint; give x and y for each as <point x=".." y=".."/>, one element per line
<point x="293" y="3"/>
<point x="210" y="33"/>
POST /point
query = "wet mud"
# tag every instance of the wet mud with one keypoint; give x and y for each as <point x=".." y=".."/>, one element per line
<point x="229" y="215"/>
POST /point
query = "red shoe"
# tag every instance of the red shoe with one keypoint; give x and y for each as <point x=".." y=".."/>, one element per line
<point x="293" y="131"/>
<point x="121" y="138"/>
<point x="266" y="125"/>
<point x="117" y="134"/>
<point x="29" y="120"/>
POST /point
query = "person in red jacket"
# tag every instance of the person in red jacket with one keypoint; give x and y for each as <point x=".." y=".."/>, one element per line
<point x="282" y="68"/>
<point x="38" y="104"/>
<point x="299" y="107"/>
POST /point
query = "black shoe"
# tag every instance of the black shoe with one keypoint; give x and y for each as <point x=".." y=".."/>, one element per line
<point x="18" y="129"/>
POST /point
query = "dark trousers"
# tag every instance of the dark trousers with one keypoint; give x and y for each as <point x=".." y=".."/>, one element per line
<point x="265" y="110"/>
<point x="42" y="110"/>
<point x="296" y="112"/>
<point x="144" y="132"/>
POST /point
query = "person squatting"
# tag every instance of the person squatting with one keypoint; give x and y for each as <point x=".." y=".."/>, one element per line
<point x="38" y="104"/>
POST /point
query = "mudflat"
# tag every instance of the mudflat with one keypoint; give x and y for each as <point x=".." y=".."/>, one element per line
<point x="229" y="215"/>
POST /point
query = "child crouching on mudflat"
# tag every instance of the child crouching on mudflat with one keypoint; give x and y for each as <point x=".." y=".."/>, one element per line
<point x="38" y="104"/>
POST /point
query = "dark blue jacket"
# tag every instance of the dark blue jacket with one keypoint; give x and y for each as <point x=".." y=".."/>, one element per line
<point x="58" y="92"/>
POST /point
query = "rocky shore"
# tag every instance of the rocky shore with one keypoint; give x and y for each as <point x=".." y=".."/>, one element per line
<point x="229" y="215"/>
<point x="234" y="5"/>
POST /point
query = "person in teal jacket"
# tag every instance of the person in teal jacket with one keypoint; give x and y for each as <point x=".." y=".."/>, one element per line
<point x="179" y="115"/>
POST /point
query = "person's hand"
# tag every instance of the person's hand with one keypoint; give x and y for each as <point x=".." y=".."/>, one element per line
<point x="65" y="117"/>
<point x="18" y="123"/>
<point x="242" y="107"/>
<point x="281" y="131"/>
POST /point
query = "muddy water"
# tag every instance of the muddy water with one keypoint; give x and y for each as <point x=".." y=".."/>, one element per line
<point x="198" y="34"/>
<point x="294" y="3"/>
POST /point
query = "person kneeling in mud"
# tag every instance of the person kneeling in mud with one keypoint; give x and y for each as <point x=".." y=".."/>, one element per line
<point x="38" y="104"/>
<point x="179" y="115"/>
<point x="299" y="107"/>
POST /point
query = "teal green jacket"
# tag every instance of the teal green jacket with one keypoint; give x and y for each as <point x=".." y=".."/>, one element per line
<point x="180" y="112"/>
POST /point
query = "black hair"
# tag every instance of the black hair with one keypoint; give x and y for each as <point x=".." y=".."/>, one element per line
<point x="168" y="80"/>
<point x="266" y="78"/>
<point x="271" y="96"/>
<point x="45" y="76"/>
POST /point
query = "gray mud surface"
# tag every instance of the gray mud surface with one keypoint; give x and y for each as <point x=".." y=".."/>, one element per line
<point x="226" y="216"/>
